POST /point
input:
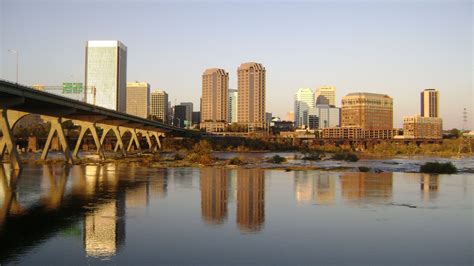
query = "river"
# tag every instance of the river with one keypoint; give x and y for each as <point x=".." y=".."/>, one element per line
<point x="129" y="214"/>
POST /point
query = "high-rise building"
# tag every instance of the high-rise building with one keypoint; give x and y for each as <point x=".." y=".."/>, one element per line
<point x="329" y="92"/>
<point x="304" y="104"/>
<point x="430" y="103"/>
<point x="328" y="116"/>
<point x="368" y="111"/>
<point x="138" y="99"/>
<point x="106" y="73"/>
<point x="159" y="106"/>
<point x="232" y="114"/>
<point x="189" y="114"/>
<point x="179" y="115"/>
<point x="251" y="100"/>
<point x="290" y="116"/>
<point x="196" y="118"/>
<point x="215" y="89"/>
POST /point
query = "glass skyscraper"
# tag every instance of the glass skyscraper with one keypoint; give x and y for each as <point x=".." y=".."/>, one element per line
<point x="106" y="74"/>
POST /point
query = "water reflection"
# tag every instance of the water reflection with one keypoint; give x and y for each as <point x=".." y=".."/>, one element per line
<point x="367" y="187"/>
<point x="250" y="199"/>
<point x="429" y="184"/>
<point x="214" y="193"/>
<point x="103" y="203"/>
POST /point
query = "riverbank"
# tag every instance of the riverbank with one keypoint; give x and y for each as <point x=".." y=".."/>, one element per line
<point x="292" y="162"/>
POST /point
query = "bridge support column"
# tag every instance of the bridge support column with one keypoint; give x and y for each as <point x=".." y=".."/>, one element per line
<point x="91" y="127"/>
<point x="116" y="131"/>
<point x="8" y="140"/>
<point x="157" y="136"/>
<point x="133" y="138"/>
<point x="57" y="128"/>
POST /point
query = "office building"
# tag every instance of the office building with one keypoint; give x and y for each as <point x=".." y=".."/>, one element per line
<point x="368" y="111"/>
<point x="328" y="115"/>
<point x="290" y="116"/>
<point x="189" y="114"/>
<point x="138" y="99"/>
<point x="106" y="73"/>
<point x="196" y="118"/>
<point x="329" y="92"/>
<point x="179" y="115"/>
<point x="304" y="102"/>
<point x="251" y="101"/>
<point x="419" y="127"/>
<point x="159" y="106"/>
<point x="430" y="103"/>
<point x="232" y="113"/>
<point x="214" y="106"/>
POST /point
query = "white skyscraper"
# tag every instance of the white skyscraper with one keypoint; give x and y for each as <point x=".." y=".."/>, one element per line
<point x="329" y="92"/>
<point x="304" y="102"/>
<point x="106" y="74"/>
<point x="233" y="99"/>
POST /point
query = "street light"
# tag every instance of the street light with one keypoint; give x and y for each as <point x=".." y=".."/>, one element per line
<point x="16" y="53"/>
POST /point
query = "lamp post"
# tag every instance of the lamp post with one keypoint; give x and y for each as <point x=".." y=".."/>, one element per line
<point x="16" y="53"/>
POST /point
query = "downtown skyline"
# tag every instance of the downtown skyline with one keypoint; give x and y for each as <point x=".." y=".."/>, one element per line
<point x="398" y="58"/>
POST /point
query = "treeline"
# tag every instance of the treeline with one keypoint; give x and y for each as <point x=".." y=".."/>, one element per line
<point x="449" y="147"/>
<point x="238" y="144"/>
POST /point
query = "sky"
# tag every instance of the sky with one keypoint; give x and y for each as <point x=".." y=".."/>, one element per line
<point x="397" y="48"/>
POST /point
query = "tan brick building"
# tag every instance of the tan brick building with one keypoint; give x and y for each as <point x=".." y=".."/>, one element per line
<point x="214" y="104"/>
<point x="368" y="111"/>
<point x="251" y="89"/>
<point x="419" y="127"/>
<point x="138" y="99"/>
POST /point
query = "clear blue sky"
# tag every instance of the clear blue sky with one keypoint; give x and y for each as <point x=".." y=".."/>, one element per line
<point x="393" y="47"/>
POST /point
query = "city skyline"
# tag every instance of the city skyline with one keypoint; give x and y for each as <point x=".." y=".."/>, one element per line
<point x="432" y="55"/>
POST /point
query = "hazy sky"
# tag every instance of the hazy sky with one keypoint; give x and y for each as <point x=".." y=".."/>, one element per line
<point x="393" y="47"/>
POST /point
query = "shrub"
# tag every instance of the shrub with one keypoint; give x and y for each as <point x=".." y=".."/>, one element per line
<point x="201" y="153"/>
<point x="345" y="156"/>
<point x="178" y="157"/>
<point x="438" y="168"/>
<point x="364" y="169"/>
<point x="276" y="159"/>
<point x="313" y="155"/>
<point x="236" y="161"/>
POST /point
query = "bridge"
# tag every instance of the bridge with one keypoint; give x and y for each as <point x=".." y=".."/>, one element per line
<point x="18" y="101"/>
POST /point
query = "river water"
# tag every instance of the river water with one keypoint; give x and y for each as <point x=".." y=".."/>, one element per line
<point x="128" y="214"/>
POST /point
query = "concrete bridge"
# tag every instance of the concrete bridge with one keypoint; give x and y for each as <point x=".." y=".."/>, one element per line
<point x="18" y="101"/>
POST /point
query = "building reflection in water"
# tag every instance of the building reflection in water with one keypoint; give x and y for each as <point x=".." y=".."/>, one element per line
<point x="159" y="184"/>
<point x="104" y="227"/>
<point x="325" y="188"/>
<point x="366" y="186"/>
<point x="304" y="187"/>
<point x="429" y="185"/>
<point x="312" y="187"/>
<point x="250" y="199"/>
<point x="214" y="195"/>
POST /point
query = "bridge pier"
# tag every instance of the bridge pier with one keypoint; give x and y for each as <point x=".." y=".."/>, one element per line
<point x="133" y="138"/>
<point x="91" y="127"/>
<point x="57" y="128"/>
<point x="154" y="146"/>
<point x="116" y="131"/>
<point x="8" y="141"/>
